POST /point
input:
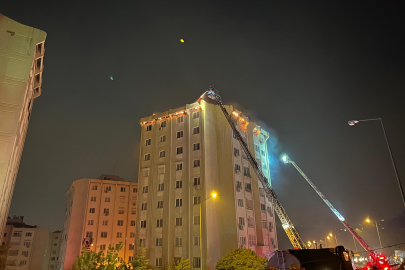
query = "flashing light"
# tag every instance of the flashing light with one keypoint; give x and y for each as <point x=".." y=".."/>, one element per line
<point x="314" y="242"/>
<point x="182" y="40"/>
<point x="330" y="234"/>
<point x="285" y="158"/>
<point x="235" y="113"/>
<point x="111" y="78"/>
<point x="328" y="237"/>
<point x="368" y="220"/>
<point x="214" y="195"/>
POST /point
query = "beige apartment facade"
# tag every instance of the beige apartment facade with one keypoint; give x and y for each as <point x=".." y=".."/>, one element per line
<point x="21" y="65"/>
<point x="187" y="154"/>
<point x="27" y="245"/>
<point x="51" y="258"/>
<point x="101" y="212"/>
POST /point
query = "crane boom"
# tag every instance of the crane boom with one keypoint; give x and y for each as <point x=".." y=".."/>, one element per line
<point x="339" y="216"/>
<point x="288" y="226"/>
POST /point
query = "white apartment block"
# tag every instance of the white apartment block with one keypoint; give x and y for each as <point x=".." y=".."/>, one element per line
<point x="187" y="154"/>
<point x="28" y="245"/>
<point x="102" y="211"/>
<point x="21" y="65"/>
<point x="52" y="252"/>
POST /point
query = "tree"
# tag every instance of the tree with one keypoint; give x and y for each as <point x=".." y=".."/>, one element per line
<point x="90" y="260"/>
<point x="241" y="259"/>
<point x="182" y="264"/>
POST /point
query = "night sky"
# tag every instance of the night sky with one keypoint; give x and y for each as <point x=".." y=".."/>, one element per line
<point x="304" y="68"/>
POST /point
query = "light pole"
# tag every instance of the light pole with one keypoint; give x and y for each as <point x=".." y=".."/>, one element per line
<point x="213" y="195"/>
<point x="378" y="233"/>
<point x="353" y="122"/>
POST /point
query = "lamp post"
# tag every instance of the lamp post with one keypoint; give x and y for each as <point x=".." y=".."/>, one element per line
<point x="213" y="195"/>
<point x="378" y="233"/>
<point x="401" y="190"/>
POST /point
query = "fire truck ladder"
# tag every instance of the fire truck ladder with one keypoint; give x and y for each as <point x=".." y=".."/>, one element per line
<point x="288" y="226"/>
<point x="286" y="159"/>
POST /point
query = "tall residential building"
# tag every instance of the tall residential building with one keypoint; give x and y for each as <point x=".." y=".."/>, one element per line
<point x="51" y="258"/>
<point x="101" y="212"/>
<point x="21" y="65"/>
<point x="28" y="245"/>
<point x="186" y="154"/>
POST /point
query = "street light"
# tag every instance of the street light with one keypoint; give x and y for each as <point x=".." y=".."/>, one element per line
<point x="213" y="195"/>
<point x="401" y="190"/>
<point x="378" y="233"/>
<point x="331" y="235"/>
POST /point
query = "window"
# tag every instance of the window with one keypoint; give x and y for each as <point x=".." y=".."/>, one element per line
<point x="143" y="223"/>
<point x="90" y="222"/>
<point x="240" y="202"/>
<point x="196" y="130"/>
<point x="264" y="166"/>
<point x="147" y="157"/>
<point x="179" y="150"/>
<point x="134" y="189"/>
<point x="234" y="135"/>
<point x="257" y="148"/>
<point x="117" y="246"/>
<point x="163" y="124"/>
<point x="142" y="242"/>
<point x="92" y="210"/>
<point x="248" y="187"/>
<point x="252" y="240"/>
<point x="262" y="193"/>
<point x="133" y="212"/>
<point x="132" y="234"/>
<point x="179" y="202"/>
<point x="196" y="115"/>
<point x="13" y="252"/>
<point x="106" y="211"/>
<point x="196" y="220"/>
<point x="131" y="258"/>
<point x="148" y="127"/>
<point x="241" y="221"/>
<point x="53" y="251"/>
<point x="162" y="154"/>
<point x="132" y="223"/>
<point x="148" y="142"/>
<point x="102" y="247"/>
<point x="105" y="222"/>
<point x="242" y="241"/>
<point x="237" y="168"/>
<point x="94" y="187"/>
<point x="262" y="152"/>
<point x="123" y="189"/>
<point x="196" y="240"/>
<point x="196" y="146"/>
<point x="28" y="234"/>
<point x="196" y="262"/>
<point x="251" y="222"/>
<point x="160" y="204"/>
<point x="179" y="241"/>
<point x="103" y="234"/>
<point x="159" y="223"/>
<point x="161" y="169"/>
<point x="158" y="262"/>
<point x="196" y="181"/>
<point x="244" y="155"/>
<point x="179" y="134"/>
<point x="180" y="119"/>
<point x="179" y="221"/>
<point x="246" y="171"/>
<point x="144" y="206"/>
<point x="119" y="234"/>
<point x="197" y="163"/>
<point x="145" y="189"/>
<point x="161" y="187"/>
<point x="179" y="166"/>
<point x="121" y="211"/>
<point x="196" y="200"/>
<point x="107" y="199"/>
<point x="120" y="223"/>
<point x="131" y="247"/>
<point x="249" y="204"/>
<point x="27" y="244"/>
<point x="163" y="138"/>
<point x="108" y="188"/>
<point x="179" y="184"/>
<point x="24" y="253"/>
<point x="159" y="242"/>
<point x="263" y="207"/>
<point x="25" y="262"/>
<point x="264" y="224"/>
<point x="236" y="152"/>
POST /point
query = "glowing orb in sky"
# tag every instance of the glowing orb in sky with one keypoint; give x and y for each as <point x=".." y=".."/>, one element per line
<point x="182" y="40"/>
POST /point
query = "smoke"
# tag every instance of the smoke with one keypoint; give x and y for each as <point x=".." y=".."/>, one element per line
<point x="273" y="144"/>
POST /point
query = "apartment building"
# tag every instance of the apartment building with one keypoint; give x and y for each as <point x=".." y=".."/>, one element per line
<point x="51" y="258"/>
<point x="99" y="212"/>
<point x="28" y="245"/>
<point x="186" y="155"/>
<point x="21" y="65"/>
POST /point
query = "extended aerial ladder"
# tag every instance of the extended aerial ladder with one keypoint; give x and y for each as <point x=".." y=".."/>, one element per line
<point x="371" y="252"/>
<point x="288" y="226"/>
